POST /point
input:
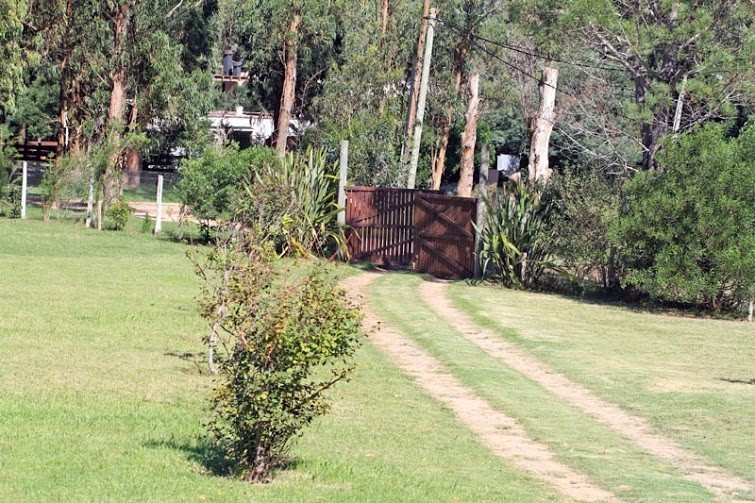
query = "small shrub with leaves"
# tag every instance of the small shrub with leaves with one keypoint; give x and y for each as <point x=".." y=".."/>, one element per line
<point x="119" y="212"/>
<point x="284" y="334"/>
<point x="10" y="195"/>
<point x="211" y="185"/>
<point x="147" y="226"/>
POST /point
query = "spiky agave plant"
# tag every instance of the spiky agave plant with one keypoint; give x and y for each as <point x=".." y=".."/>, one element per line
<point x="305" y="220"/>
<point x="513" y="244"/>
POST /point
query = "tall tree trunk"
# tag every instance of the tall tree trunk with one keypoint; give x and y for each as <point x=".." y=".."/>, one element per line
<point x="652" y="134"/>
<point x="469" y="138"/>
<point x="64" y="73"/>
<point x="411" y="116"/>
<point x="538" y="169"/>
<point x="133" y="158"/>
<point x="117" y="108"/>
<point x="384" y="18"/>
<point x="444" y="127"/>
<point x="288" y="95"/>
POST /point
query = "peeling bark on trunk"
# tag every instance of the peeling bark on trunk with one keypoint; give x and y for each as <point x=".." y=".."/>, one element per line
<point x="652" y="134"/>
<point x="65" y="85"/>
<point x="444" y="127"/>
<point x="288" y="94"/>
<point x="117" y="108"/>
<point x="383" y="18"/>
<point x="469" y="138"/>
<point x="411" y="116"/>
<point x="133" y="164"/>
<point x="538" y="169"/>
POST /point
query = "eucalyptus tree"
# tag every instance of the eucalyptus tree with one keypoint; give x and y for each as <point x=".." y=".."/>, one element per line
<point x="288" y="47"/>
<point x="13" y="62"/>
<point x="466" y="19"/>
<point x="108" y="71"/>
<point x="364" y="97"/>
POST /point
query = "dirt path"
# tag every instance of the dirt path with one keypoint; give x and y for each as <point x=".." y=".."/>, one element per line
<point x="500" y="433"/>
<point x="171" y="211"/>
<point x="636" y="429"/>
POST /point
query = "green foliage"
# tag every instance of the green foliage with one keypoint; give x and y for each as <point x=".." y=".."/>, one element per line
<point x="64" y="178"/>
<point x="294" y="203"/>
<point x="701" y="50"/>
<point x="688" y="232"/>
<point x="373" y="155"/>
<point x="584" y="206"/>
<point x="514" y="242"/>
<point x="119" y="212"/>
<point x="147" y="226"/>
<point x="287" y="332"/>
<point x="10" y="195"/>
<point x="211" y="185"/>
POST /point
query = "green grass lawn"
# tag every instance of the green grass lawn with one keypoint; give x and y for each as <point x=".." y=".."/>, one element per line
<point x="693" y="378"/>
<point x="102" y="399"/>
<point x="578" y="440"/>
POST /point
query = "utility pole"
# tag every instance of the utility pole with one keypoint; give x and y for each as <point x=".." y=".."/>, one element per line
<point x="422" y="99"/>
<point x="411" y="114"/>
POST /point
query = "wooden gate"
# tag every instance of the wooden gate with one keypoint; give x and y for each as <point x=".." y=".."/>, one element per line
<point x="444" y="235"/>
<point x="379" y="222"/>
<point x="428" y="232"/>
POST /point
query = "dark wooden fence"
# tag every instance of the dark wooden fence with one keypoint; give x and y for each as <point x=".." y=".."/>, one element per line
<point x="428" y="232"/>
<point x="40" y="151"/>
<point x="380" y="225"/>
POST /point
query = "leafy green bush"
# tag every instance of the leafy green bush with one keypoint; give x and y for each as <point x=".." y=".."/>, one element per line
<point x="285" y="333"/>
<point x="10" y="195"/>
<point x="584" y="206"/>
<point x="211" y="185"/>
<point x="514" y="245"/>
<point x="295" y="203"/>
<point x="119" y="212"/>
<point x="688" y="231"/>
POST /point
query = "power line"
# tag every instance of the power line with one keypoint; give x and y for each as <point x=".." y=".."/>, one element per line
<point x="524" y="72"/>
<point x="528" y="52"/>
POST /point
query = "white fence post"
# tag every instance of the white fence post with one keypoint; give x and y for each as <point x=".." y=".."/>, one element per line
<point x="342" y="180"/>
<point x="90" y="203"/>
<point x="24" y="186"/>
<point x="159" y="218"/>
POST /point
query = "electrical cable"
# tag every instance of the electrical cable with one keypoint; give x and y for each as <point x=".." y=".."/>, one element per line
<point x="528" y="52"/>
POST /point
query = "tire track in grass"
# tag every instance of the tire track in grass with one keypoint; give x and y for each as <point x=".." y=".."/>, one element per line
<point x="637" y="429"/>
<point x="500" y="433"/>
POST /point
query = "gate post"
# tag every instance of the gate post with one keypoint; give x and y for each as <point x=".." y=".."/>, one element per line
<point x="342" y="180"/>
<point x="482" y="193"/>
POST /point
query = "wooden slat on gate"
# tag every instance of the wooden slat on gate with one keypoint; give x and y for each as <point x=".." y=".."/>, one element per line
<point x="379" y="225"/>
<point x="431" y="233"/>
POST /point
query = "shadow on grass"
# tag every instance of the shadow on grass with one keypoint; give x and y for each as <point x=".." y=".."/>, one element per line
<point x="736" y="381"/>
<point x="204" y="451"/>
<point x="186" y="356"/>
<point x="214" y="460"/>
